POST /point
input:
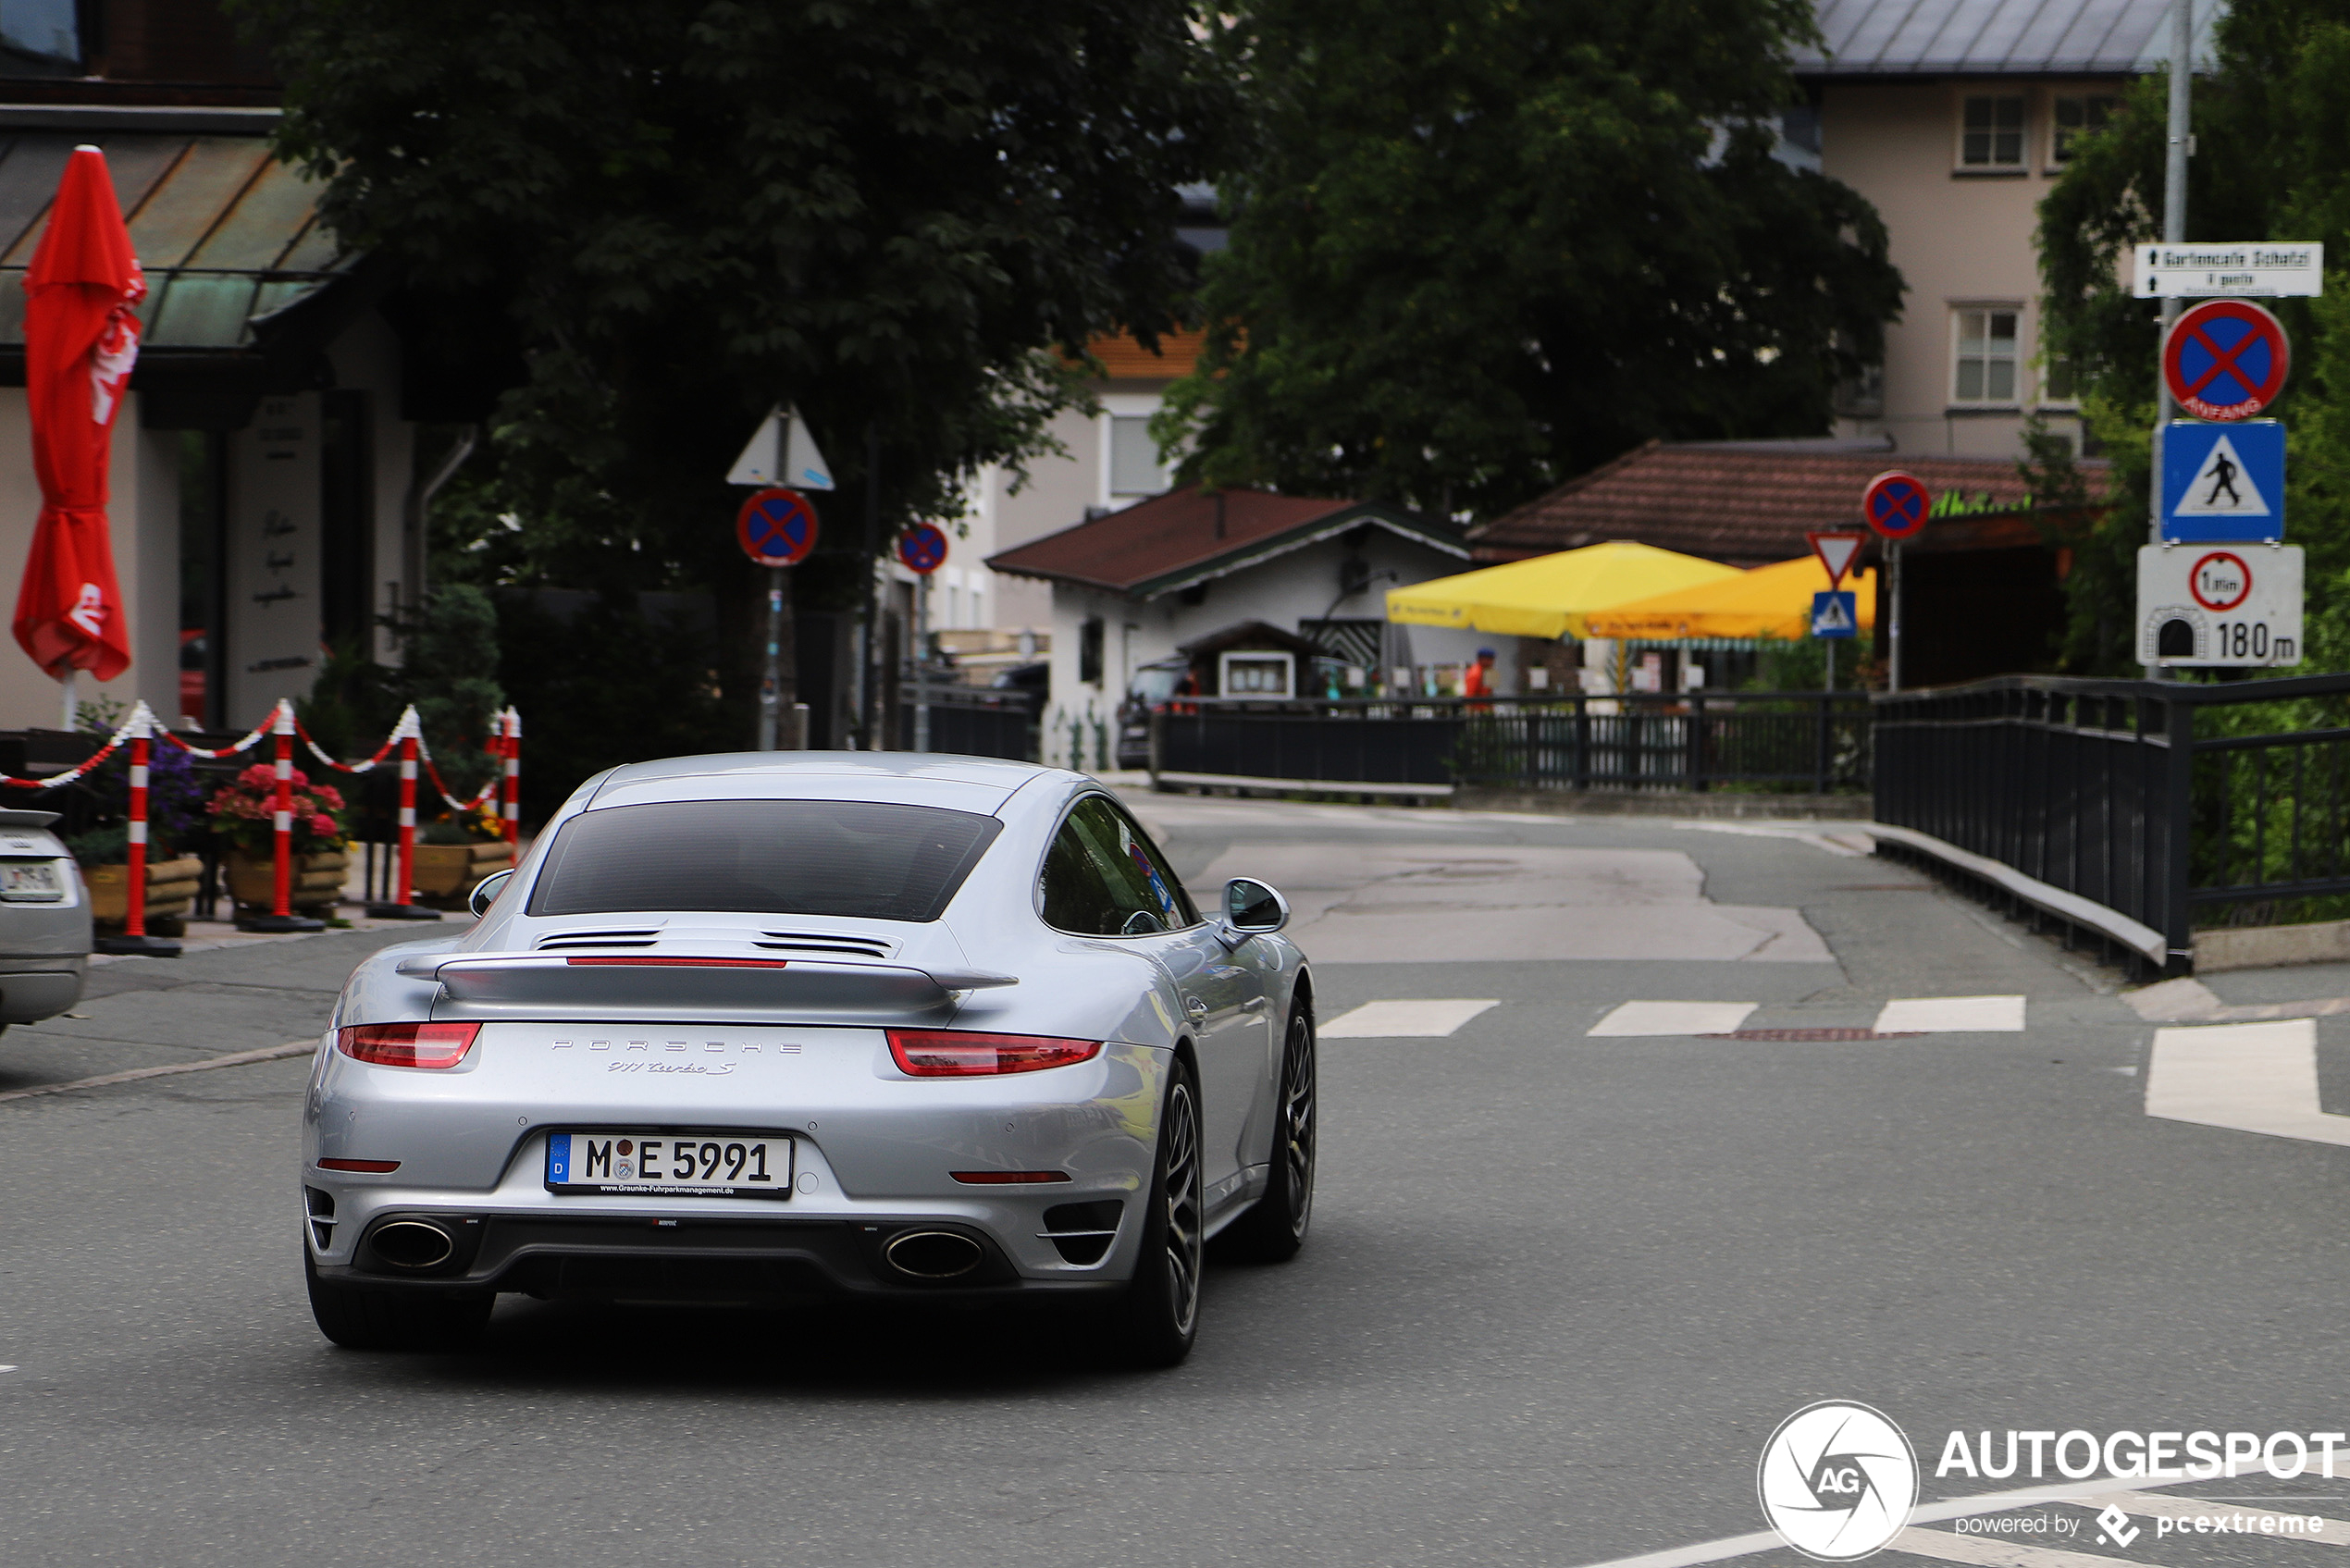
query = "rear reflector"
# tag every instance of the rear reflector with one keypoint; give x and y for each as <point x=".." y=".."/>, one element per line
<point x="408" y="1044"/>
<point x="370" y="1167"/>
<point x="952" y="1052"/>
<point x="653" y="963"/>
<point x="1008" y="1177"/>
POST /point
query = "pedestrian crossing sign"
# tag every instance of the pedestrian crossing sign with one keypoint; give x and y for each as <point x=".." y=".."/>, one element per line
<point x="1835" y="615"/>
<point x="2223" y="484"/>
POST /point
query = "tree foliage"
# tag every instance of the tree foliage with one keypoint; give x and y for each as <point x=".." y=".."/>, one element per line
<point x="2272" y="162"/>
<point x="890" y="212"/>
<point x="1479" y="247"/>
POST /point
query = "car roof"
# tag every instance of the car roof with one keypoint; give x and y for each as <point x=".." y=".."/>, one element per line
<point x="961" y="784"/>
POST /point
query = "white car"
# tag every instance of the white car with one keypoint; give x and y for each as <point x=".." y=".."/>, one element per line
<point x="771" y="1026"/>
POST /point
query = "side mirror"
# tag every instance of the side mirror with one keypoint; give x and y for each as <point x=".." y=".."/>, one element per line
<point x="486" y="891"/>
<point x="1251" y="909"/>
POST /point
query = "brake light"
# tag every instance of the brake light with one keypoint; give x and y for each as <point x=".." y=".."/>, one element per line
<point x="408" y="1044"/>
<point x="951" y="1053"/>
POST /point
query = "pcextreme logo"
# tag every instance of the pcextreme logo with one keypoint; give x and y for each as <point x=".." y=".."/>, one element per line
<point x="1838" y="1480"/>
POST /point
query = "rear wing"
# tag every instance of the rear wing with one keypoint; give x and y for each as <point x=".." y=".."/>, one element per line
<point x="688" y="986"/>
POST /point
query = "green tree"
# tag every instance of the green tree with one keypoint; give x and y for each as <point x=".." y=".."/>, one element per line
<point x="2272" y="161"/>
<point x="681" y="212"/>
<point x="1477" y="248"/>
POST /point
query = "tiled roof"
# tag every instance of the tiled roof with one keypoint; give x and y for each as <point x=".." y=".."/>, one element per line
<point x="1998" y="38"/>
<point x="1742" y="503"/>
<point x="1187" y="536"/>
<point x="1126" y="359"/>
<point x="225" y="231"/>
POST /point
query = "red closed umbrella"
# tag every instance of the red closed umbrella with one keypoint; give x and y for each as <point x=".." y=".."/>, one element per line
<point x="81" y="336"/>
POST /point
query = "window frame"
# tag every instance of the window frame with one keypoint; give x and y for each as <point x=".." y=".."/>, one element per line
<point x="2057" y="160"/>
<point x="2021" y="163"/>
<point x="1959" y="310"/>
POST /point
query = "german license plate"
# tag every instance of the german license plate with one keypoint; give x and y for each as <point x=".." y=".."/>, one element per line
<point x="34" y="882"/>
<point x="678" y="1164"/>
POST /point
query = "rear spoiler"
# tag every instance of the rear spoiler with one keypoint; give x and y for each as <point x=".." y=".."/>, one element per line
<point x="686" y="985"/>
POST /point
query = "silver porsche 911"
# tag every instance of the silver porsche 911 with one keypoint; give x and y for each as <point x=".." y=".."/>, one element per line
<point x="768" y="1027"/>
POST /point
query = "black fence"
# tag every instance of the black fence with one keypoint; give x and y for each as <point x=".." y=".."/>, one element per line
<point x="1778" y="742"/>
<point x="2173" y="804"/>
<point x="971" y="721"/>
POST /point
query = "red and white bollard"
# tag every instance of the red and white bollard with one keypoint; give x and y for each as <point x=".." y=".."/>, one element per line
<point x="134" y="937"/>
<point x="281" y="915"/>
<point x="509" y="807"/>
<point x="400" y="906"/>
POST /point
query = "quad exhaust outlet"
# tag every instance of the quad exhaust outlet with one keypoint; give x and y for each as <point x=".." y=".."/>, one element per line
<point x="412" y="1244"/>
<point x="932" y="1255"/>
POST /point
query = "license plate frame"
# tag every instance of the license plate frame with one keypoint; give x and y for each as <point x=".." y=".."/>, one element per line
<point x="575" y="1156"/>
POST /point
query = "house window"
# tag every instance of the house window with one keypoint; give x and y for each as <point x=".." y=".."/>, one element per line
<point x="1134" y="468"/>
<point x="2076" y="117"/>
<point x="1991" y="132"/>
<point x="1256" y="674"/>
<point x="1089" y="651"/>
<point x="1986" y="355"/>
<point x="2057" y="384"/>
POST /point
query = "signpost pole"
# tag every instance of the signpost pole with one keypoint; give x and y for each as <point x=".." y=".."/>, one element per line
<point x="772" y="683"/>
<point x="921" y="663"/>
<point x="1893" y="632"/>
<point x="2175" y="232"/>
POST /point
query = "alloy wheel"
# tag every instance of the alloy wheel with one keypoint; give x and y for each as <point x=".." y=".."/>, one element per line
<point x="1183" y="1205"/>
<point x="1297" y="1120"/>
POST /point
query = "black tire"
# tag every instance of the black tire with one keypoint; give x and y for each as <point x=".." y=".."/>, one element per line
<point x="359" y="1317"/>
<point x="1274" y="1228"/>
<point x="1157" y="1321"/>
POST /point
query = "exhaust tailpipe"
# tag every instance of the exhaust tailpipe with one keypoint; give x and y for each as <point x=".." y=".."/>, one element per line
<point x="933" y="1255"/>
<point x="412" y="1244"/>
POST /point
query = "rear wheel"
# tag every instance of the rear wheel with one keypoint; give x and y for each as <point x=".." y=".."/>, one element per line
<point x="1157" y="1320"/>
<point x="1274" y="1228"/>
<point x="360" y="1318"/>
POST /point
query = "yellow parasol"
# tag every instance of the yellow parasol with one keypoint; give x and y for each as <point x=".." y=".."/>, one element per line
<point x="1770" y="602"/>
<point x="1552" y="596"/>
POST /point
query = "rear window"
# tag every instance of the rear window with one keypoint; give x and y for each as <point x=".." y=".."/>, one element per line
<point x="858" y="858"/>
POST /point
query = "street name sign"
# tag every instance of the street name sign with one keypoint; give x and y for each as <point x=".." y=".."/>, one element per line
<point x="1836" y="614"/>
<point x="1837" y="552"/>
<point x="1896" y="504"/>
<point x="2216" y="606"/>
<point x="922" y="548"/>
<point x="2225" y="359"/>
<point x="776" y="528"/>
<point x="2223" y="483"/>
<point x="2268" y="268"/>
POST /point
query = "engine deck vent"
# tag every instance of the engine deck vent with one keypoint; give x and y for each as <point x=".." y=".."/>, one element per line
<point x="557" y="941"/>
<point x="827" y="941"/>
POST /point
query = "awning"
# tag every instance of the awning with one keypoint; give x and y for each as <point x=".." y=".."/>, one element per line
<point x="1770" y="602"/>
<point x="1552" y="595"/>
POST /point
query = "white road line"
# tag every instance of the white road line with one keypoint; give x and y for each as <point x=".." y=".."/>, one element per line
<point x="2247" y="1077"/>
<point x="1674" y="1017"/>
<point x="1428" y="1018"/>
<point x="235" y="1059"/>
<point x="2329" y="1532"/>
<point x="1925" y="1513"/>
<point x="1952" y="1015"/>
<point x="1995" y="1552"/>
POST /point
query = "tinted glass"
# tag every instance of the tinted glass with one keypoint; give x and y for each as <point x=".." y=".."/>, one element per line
<point x="858" y="858"/>
<point x="1103" y="877"/>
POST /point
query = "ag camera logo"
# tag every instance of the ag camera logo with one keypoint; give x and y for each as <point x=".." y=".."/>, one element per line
<point x="1838" y="1481"/>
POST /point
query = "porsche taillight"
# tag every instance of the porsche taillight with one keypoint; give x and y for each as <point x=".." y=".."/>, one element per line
<point x="408" y="1044"/>
<point x="954" y="1053"/>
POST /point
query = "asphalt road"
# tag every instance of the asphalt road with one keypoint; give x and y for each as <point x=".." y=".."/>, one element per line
<point x="1561" y="1289"/>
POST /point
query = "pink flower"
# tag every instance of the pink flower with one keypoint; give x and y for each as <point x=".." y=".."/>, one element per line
<point x="323" y="826"/>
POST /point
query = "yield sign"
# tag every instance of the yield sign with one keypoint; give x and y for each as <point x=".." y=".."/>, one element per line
<point x="2225" y="359"/>
<point x="1837" y="552"/>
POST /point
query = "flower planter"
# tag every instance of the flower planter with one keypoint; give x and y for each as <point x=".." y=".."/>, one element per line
<point x="316" y="884"/>
<point x="172" y="891"/>
<point x="447" y="872"/>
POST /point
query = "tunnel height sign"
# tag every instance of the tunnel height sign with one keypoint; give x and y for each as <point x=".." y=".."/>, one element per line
<point x="2212" y="605"/>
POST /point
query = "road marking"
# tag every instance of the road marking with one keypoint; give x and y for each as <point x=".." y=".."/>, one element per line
<point x="1952" y="1015"/>
<point x="1430" y="1019"/>
<point x="235" y="1059"/>
<point x="1674" y="1017"/>
<point x="1993" y="1551"/>
<point x="2246" y="1077"/>
<point x="2332" y="1532"/>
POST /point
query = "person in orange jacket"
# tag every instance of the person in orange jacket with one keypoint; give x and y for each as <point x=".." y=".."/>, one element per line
<point x="1477" y="679"/>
